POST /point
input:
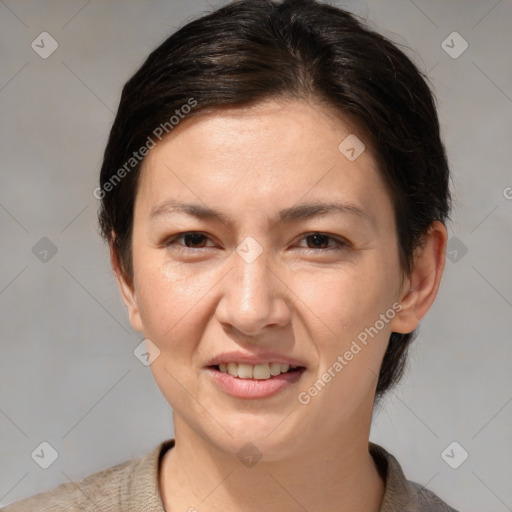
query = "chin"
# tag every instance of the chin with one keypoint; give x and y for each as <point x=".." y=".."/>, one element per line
<point x="251" y="437"/>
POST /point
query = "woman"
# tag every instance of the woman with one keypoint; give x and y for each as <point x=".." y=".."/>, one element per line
<point x="274" y="193"/>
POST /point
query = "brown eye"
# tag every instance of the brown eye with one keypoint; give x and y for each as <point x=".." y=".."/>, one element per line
<point x="318" y="241"/>
<point x="324" y="242"/>
<point x="191" y="240"/>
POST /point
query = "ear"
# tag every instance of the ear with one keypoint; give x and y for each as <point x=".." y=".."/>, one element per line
<point x="127" y="289"/>
<point x="421" y="286"/>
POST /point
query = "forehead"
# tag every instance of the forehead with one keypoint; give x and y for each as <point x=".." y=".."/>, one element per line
<point x="265" y="157"/>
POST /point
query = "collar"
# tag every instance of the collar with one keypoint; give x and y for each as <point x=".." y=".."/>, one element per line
<point x="144" y="493"/>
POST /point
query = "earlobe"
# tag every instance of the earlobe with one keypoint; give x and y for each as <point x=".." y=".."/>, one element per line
<point x="421" y="287"/>
<point x="127" y="290"/>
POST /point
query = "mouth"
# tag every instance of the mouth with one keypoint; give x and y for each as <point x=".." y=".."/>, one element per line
<point x="263" y="371"/>
<point x="248" y="381"/>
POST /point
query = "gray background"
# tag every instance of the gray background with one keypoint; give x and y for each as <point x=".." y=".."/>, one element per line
<point x="68" y="375"/>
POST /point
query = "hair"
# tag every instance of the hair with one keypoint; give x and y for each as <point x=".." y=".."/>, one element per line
<point x="252" y="50"/>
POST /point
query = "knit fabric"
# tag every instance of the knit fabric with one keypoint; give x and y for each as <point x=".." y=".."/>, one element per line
<point x="133" y="487"/>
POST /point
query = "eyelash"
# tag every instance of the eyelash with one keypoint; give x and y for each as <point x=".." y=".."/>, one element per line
<point x="340" y="244"/>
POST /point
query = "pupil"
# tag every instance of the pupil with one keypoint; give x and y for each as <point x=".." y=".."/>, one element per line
<point x="195" y="237"/>
<point x="318" y="239"/>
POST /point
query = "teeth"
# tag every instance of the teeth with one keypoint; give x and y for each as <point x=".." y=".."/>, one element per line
<point x="261" y="371"/>
<point x="233" y="369"/>
<point x="275" y="368"/>
<point x="249" y="371"/>
<point x="245" y="371"/>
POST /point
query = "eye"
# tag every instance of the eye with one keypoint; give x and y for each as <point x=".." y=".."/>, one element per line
<point x="314" y="241"/>
<point x="192" y="240"/>
<point x="321" y="241"/>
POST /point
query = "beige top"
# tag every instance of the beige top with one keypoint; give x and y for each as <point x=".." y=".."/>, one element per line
<point x="133" y="487"/>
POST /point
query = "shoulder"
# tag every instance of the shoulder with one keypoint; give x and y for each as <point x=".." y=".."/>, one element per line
<point x="402" y="494"/>
<point x="108" y="490"/>
<point x="427" y="500"/>
<point x="99" y="491"/>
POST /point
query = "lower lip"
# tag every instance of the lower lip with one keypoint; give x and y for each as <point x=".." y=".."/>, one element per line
<point x="254" y="388"/>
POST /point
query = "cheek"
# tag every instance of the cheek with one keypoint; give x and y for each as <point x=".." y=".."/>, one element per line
<point x="345" y="300"/>
<point x="173" y="305"/>
<point x="171" y="299"/>
<point x="343" y="309"/>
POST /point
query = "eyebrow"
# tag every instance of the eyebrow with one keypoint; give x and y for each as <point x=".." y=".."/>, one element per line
<point x="288" y="215"/>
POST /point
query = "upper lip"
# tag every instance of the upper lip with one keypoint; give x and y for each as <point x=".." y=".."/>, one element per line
<point x="254" y="359"/>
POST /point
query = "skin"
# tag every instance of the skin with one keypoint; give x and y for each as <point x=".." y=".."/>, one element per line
<point x="297" y="298"/>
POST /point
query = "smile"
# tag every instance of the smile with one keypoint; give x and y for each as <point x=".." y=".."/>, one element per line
<point x="258" y="371"/>
<point x="249" y="381"/>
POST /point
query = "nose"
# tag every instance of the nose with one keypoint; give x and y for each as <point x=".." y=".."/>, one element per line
<point x="254" y="297"/>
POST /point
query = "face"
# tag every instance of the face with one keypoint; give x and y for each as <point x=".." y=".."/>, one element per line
<point x="238" y="257"/>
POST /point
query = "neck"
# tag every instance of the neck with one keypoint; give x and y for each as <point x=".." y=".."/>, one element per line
<point x="336" y="474"/>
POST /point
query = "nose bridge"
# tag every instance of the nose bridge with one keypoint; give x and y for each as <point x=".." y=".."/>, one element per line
<point x="253" y="296"/>
<point x="253" y="280"/>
